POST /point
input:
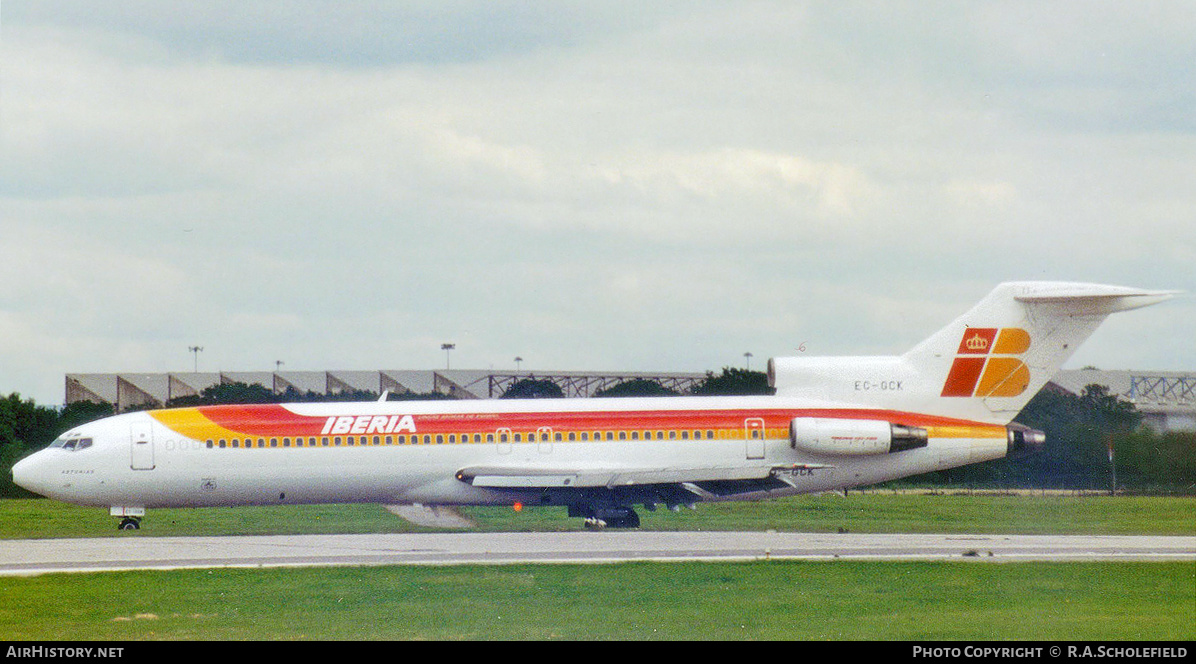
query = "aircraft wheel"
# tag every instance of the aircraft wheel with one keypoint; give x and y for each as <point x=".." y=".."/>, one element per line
<point x="629" y="520"/>
<point x="129" y="524"/>
<point x="619" y="517"/>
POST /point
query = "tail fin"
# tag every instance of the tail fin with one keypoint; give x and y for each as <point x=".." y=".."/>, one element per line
<point x="984" y="366"/>
<point x="1010" y="344"/>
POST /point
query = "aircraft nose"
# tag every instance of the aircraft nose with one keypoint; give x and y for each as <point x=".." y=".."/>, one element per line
<point x="29" y="474"/>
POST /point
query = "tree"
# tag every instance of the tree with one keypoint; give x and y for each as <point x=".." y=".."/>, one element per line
<point x="733" y="382"/>
<point x="636" y="387"/>
<point x="531" y="388"/>
<point x="228" y="393"/>
<point x="82" y="412"/>
<point x="1079" y="430"/>
<point x="24" y="427"/>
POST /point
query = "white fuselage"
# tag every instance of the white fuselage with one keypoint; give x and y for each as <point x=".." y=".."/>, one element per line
<point x="413" y="452"/>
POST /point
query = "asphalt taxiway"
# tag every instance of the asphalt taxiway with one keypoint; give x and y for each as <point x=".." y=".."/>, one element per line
<point x="138" y="552"/>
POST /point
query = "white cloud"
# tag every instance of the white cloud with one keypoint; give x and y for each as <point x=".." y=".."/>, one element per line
<point x="658" y="190"/>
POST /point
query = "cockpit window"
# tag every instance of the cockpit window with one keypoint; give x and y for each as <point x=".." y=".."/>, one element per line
<point x="72" y="444"/>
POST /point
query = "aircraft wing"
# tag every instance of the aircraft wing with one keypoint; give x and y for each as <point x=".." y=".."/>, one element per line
<point x="517" y="477"/>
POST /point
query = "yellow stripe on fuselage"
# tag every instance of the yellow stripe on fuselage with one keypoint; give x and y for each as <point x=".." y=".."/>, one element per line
<point x="191" y="423"/>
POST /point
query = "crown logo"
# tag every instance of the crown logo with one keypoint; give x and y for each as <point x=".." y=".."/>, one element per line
<point x="977" y="342"/>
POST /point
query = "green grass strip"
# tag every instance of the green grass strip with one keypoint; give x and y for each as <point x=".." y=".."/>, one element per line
<point x="862" y="513"/>
<point x="641" y="601"/>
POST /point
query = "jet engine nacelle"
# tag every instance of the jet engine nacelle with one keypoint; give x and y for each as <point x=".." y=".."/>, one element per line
<point x="823" y="435"/>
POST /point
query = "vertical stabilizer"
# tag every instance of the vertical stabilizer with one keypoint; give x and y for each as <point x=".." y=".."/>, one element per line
<point x="985" y="366"/>
<point x="992" y="360"/>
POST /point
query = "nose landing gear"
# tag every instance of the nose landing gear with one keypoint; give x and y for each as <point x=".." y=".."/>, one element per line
<point x="130" y="516"/>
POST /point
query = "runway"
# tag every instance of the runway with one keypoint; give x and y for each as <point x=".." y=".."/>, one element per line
<point x="30" y="557"/>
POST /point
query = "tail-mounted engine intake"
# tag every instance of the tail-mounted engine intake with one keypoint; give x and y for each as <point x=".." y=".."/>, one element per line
<point x="823" y="435"/>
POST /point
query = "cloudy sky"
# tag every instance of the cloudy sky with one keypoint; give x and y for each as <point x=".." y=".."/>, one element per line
<point x="587" y="185"/>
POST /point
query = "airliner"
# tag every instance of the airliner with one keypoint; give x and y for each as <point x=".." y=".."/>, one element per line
<point x="833" y="423"/>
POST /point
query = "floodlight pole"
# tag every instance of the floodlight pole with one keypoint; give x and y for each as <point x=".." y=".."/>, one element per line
<point x="195" y="351"/>
<point x="447" y="348"/>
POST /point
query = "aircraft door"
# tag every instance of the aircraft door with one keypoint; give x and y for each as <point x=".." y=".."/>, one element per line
<point x="141" y="440"/>
<point x="502" y="438"/>
<point x="753" y="437"/>
<point x="544" y="436"/>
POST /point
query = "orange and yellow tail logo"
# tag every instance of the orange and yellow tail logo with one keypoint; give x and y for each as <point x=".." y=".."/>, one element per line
<point x="986" y="364"/>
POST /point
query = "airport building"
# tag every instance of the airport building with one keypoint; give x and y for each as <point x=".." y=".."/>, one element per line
<point x="140" y="390"/>
<point x="1166" y="399"/>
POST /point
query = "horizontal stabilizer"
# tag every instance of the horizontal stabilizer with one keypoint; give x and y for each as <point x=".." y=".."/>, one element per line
<point x="1092" y="299"/>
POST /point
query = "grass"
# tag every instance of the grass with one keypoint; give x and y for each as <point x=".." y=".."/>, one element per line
<point x="780" y="600"/>
<point x="876" y="513"/>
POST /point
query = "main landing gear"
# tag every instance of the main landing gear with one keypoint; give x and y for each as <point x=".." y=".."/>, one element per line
<point x="597" y="518"/>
